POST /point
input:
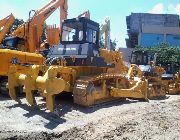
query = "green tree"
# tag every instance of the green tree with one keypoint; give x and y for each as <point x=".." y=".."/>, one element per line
<point x="113" y="43"/>
<point x="44" y="34"/>
<point x="102" y="42"/>
<point x="16" y="23"/>
<point x="166" y="54"/>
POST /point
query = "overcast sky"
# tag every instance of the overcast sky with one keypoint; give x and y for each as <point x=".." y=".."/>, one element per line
<point x="117" y="10"/>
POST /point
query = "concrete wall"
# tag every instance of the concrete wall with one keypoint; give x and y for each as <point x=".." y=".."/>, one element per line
<point x="136" y="20"/>
<point x="152" y="29"/>
<point x="173" y="40"/>
<point x="160" y="30"/>
<point x="148" y="40"/>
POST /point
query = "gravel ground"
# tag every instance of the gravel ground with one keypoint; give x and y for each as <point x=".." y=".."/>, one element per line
<point x="119" y="120"/>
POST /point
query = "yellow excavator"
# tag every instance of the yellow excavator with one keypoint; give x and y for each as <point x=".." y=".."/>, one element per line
<point x="78" y="66"/>
<point x="5" y="25"/>
<point x="27" y="37"/>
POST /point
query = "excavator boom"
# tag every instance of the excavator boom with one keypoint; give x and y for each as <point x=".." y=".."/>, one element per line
<point x="5" y="25"/>
<point x="32" y="30"/>
<point x="105" y="29"/>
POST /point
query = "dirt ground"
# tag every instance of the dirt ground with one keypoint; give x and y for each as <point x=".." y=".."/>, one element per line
<point x="119" y="120"/>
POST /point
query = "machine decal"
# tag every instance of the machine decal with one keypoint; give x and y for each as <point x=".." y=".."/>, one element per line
<point x="15" y="60"/>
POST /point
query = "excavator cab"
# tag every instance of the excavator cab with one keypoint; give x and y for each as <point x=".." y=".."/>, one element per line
<point x="80" y="41"/>
<point x="13" y="43"/>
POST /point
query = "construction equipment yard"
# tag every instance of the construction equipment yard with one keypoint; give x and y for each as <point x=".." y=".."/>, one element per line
<point x="126" y="120"/>
<point x="73" y="82"/>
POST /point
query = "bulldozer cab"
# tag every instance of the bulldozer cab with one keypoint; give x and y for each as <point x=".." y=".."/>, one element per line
<point x="80" y="41"/>
<point x="80" y="31"/>
<point x="142" y="58"/>
<point x="139" y="58"/>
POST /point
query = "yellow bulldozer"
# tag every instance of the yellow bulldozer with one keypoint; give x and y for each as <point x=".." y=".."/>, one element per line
<point x="173" y="82"/>
<point x="160" y="82"/>
<point x="79" y="66"/>
<point x="146" y="63"/>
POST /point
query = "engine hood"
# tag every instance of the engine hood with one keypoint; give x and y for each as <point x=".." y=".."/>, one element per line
<point x="79" y="50"/>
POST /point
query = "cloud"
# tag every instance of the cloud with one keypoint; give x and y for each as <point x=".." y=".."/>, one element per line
<point x="177" y="8"/>
<point x="160" y="8"/>
<point x="173" y="9"/>
<point x="157" y="9"/>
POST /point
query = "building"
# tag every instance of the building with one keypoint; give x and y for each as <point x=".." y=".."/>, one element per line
<point x="151" y="29"/>
<point x="126" y="52"/>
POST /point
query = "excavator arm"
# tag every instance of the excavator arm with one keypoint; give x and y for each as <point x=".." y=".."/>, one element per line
<point x="32" y="30"/>
<point x="41" y="15"/>
<point x="105" y="29"/>
<point x="110" y="56"/>
<point x="5" y="25"/>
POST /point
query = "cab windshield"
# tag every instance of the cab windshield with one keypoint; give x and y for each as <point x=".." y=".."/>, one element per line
<point x="72" y="32"/>
<point x="139" y="58"/>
